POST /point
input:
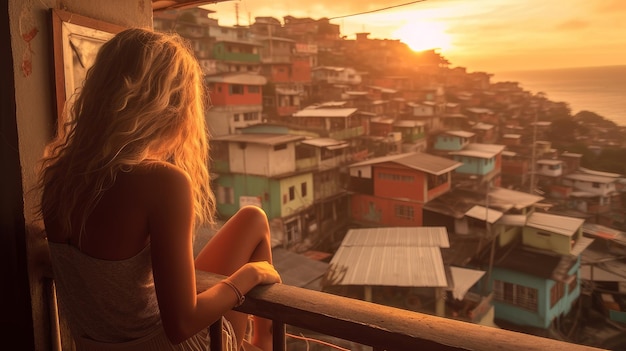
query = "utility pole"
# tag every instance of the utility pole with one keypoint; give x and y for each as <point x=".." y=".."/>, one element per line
<point x="532" y="158"/>
<point x="237" y="14"/>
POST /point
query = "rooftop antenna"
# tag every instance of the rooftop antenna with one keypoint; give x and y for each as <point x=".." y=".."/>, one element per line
<point x="237" y="14"/>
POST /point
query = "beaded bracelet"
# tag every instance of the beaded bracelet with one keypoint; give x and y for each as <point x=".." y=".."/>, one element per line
<point x="240" y="297"/>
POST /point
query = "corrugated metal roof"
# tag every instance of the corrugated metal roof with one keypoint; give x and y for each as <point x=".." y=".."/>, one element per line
<point x="261" y="138"/>
<point x="590" y="178"/>
<point x="329" y="104"/>
<point x="599" y="173"/>
<point x="356" y="93"/>
<point x="416" y="160"/>
<point x="601" y="231"/>
<point x="571" y="154"/>
<point x="549" y="162"/>
<point x="580" y="246"/>
<point x="513" y="220"/>
<point x="238" y="78"/>
<point x="493" y="148"/>
<point x="473" y="153"/>
<point x="328" y="68"/>
<point x="484" y="214"/>
<point x="464" y="279"/>
<point x="398" y="236"/>
<point x="460" y="133"/>
<point x="325" y="112"/>
<point x="243" y="42"/>
<point x="483" y="126"/>
<point x="381" y="120"/>
<point x="389" y="266"/>
<point x="325" y="142"/>
<point x="512" y="136"/>
<point x="479" y="110"/>
<point x="407" y="123"/>
<point x="399" y="256"/>
<point x="518" y="199"/>
<point x="554" y="223"/>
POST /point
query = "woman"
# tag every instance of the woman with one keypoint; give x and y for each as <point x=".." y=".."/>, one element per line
<point x="124" y="186"/>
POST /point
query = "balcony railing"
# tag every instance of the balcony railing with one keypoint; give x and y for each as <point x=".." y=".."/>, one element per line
<point x="378" y="326"/>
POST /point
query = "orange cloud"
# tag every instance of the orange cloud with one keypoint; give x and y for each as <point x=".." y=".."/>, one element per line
<point x="575" y="24"/>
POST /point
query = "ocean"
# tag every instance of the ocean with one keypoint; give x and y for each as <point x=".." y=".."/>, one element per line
<point x="597" y="89"/>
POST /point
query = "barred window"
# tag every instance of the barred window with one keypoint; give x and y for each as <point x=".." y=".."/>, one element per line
<point x="405" y="212"/>
<point x="518" y="295"/>
<point x="556" y="293"/>
<point x="396" y="177"/>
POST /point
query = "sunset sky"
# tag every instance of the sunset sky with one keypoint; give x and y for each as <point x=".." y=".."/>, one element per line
<point x="481" y="35"/>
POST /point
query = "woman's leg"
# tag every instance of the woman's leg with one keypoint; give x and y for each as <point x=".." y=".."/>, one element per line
<point x="244" y="238"/>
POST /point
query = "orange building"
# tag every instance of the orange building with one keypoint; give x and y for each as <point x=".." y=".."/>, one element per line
<point x="392" y="190"/>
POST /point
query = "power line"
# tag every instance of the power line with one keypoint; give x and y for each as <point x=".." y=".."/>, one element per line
<point x="377" y="10"/>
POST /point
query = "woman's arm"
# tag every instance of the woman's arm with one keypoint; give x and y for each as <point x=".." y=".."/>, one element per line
<point x="170" y="221"/>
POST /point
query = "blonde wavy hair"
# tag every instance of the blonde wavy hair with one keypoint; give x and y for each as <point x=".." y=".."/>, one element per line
<point x="142" y="101"/>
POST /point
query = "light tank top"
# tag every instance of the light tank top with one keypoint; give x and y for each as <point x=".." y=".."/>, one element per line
<point x="112" y="305"/>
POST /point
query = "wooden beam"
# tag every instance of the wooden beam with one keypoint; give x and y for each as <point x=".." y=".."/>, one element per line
<point x="380" y="326"/>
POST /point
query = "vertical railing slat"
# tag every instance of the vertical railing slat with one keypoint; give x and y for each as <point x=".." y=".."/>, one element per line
<point x="278" y="336"/>
<point x="215" y="333"/>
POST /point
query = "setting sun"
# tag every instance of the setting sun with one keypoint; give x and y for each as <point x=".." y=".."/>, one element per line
<point x="420" y="36"/>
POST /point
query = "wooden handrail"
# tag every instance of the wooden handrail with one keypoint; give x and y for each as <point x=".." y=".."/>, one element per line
<point x="379" y="326"/>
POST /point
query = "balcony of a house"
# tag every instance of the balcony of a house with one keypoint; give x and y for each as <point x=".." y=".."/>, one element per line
<point x="347" y="133"/>
<point x="378" y="326"/>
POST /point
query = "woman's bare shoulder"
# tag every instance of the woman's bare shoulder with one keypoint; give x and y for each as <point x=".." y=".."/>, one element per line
<point x="159" y="172"/>
<point x="156" y="178"/>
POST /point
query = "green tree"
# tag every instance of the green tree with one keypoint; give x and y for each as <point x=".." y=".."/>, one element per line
<point x="564" y="130"/>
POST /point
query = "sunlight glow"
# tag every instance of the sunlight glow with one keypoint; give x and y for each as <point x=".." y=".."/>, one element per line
<point x="424" y="35"/>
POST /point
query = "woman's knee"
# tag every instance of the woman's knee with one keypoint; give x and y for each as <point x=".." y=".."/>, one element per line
<point x="252" y="212"/>
<point x="254" y="215"/>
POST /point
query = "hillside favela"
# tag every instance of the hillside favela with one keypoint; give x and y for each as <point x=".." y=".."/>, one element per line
<point x="393" y="177"/>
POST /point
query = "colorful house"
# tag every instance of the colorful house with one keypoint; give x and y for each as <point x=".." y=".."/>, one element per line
<point x="294" y="178"/>
<point x="392" y="190"/>
<point x="403" y="267"/>
<point x="452" y="140"/>
<point x="481" y="162"/>
<point x="537" y="279"/>
<point x="236" y="102"/>
<point x="335" y="123"/>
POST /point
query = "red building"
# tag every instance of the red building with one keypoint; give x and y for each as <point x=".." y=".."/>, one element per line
<point x="236" y="102"/>
<point x="392" y="190"/>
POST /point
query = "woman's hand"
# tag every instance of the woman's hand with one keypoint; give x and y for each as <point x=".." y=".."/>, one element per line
<point x="255" y="273"/>
<point x="266" y="272"/>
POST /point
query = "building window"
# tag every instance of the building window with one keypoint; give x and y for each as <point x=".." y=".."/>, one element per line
<point x="573" y="284"/>
<point x="292" y="231"/>
<point x="556" y="293"/>
<point x="235" y="89"/>
<point x="225" y="195"/>
<point x="396" y="177"/>
<point x="303" y="189"/>
<point x="518" y="295"/>
<point x="405" y="212"/>
<point x="437" y="180"/>
<point x="254" y="89"/>
<point x="236" y="117"/>
<point x="292" y="193"/>
<point x="251" y="116"/>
